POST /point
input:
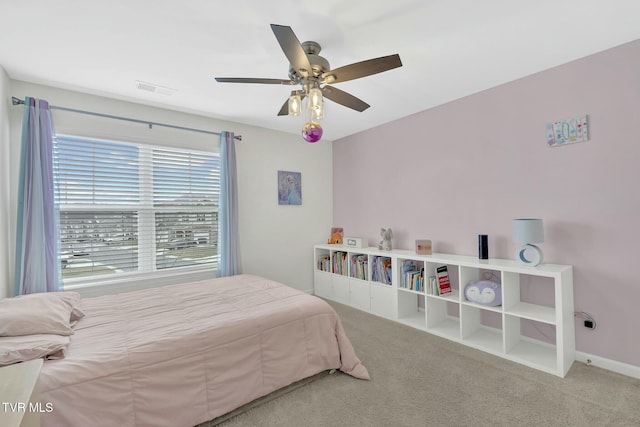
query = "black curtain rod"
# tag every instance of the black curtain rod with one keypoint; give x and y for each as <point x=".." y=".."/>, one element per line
<point x="17" y="101"/>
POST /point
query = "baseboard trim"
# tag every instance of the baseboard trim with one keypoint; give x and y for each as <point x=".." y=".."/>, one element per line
<point x="608" y="364"/>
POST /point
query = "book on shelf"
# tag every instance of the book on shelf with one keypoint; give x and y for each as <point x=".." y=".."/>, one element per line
<point x="359" y="264"/>
<point x="411" y="277"/>
<point x="340" y="263"/>
<point x="444" y="285"/>
<point x="323" y="262"/>
<point x="381" y="269"/>
<point x="414" y="281"/>
<point x="432" y="286"/>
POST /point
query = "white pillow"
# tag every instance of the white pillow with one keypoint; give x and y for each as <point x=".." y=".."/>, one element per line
<point x="29" y="347"/>
<point x="43" y="313"/>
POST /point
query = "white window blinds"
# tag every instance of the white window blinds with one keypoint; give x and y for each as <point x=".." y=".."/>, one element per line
<point x="134" y="208"/>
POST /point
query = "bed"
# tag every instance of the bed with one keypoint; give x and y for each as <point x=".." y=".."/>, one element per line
<point x="185" y="354"/>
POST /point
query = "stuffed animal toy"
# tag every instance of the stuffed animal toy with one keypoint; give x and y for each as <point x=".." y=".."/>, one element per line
<point x="336" y="238"/>
<point x="385" y="243"/>
<point x="484" y="292"/>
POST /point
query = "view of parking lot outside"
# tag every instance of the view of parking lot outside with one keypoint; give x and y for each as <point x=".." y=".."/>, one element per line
<point x="107" y="243"/>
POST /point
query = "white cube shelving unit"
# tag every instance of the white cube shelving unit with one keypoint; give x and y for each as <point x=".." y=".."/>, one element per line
<point x="370" y="279"/>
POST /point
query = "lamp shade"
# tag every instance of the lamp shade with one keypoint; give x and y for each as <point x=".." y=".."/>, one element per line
<point x="527" y="230"/>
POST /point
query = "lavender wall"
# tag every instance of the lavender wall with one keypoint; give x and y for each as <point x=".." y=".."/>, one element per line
<point x="470" y="166"/>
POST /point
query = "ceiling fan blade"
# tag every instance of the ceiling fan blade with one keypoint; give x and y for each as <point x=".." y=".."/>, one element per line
<point x="362" y="69"/>
<point x="252" y="80"/>
<point x="344" y="98"/>
<point x="284" y="111"/>
<point x="292" y="49"/>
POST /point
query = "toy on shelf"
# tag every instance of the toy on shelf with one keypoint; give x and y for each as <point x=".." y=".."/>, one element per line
<point x="385" y="243"/>
<point x="337" y="234"/>
<point x="484" y="292"/>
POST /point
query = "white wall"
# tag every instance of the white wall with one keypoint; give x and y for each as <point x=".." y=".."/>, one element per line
<point x="4" y="183"/>
<point x="276" y="241"/>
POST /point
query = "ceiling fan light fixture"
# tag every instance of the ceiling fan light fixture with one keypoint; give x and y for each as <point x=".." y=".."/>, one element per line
<point x="295" y="104"/>
<point x="311" y="71"/>
<point x="315" y="98"/>
<point x="315" y="104"/>
<point x="317" y="113"/>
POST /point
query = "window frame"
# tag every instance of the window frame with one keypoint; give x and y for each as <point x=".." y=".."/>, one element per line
<point x="147" y="273"/>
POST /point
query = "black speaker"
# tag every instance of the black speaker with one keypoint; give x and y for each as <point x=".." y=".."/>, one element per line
<point x="483" y="246"/>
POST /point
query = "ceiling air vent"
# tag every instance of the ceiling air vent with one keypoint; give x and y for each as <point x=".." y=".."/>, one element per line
<point x="152" y="87"/>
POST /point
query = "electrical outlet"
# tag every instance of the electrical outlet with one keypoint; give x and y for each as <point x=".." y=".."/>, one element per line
<point x="588" y="321"/>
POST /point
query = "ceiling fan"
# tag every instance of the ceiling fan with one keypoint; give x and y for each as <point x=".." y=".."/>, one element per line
<point x="313" y="73"/>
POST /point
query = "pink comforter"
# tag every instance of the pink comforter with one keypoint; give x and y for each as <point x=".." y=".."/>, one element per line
<point x="181" y="355"/>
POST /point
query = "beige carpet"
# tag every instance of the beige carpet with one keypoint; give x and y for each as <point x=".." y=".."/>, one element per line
<point x="422" y="380"/>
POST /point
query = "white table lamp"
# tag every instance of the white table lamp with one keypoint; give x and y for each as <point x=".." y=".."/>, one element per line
<point x="527" y="231"/>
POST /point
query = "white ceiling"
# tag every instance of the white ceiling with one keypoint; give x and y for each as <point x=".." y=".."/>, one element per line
<point x="449" y="49"/>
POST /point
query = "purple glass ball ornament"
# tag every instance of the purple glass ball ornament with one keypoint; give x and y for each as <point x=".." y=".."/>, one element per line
<point x="312" y="132"/>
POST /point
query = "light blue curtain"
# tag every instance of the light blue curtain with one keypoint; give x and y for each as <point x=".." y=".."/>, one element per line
<point x="228" y="238"/>
<point x="37" y="266"/>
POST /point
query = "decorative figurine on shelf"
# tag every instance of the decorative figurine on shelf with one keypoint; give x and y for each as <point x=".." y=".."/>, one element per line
<point x="385" y="243"/>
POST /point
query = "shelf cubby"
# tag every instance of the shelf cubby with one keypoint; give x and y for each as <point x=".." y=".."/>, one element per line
<point x="430" y="271"/>
<point x="323" y="286"/>
<point x="383" y="300"/>
<point x="359" y="266"/>
<point x="339" y="263"/>
<point x="481" y="328"/>
<point x="534" y="352"/>
<point x="323" y="260"/>
<point x="381" y="269"/>
<point x="411" y="308"/>
<point x="341" y="289"/>
<point x="410" y="274"/>
<point x="443" y="318"/>
<point x="514" y="304"/>
<point x="360" y="296"/>
<point x="470" y="275"/>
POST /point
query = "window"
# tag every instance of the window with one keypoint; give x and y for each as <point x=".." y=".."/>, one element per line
<point x="134" y="208"/>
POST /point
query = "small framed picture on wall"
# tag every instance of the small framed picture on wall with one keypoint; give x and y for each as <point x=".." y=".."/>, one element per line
<point x="289" y="188"/>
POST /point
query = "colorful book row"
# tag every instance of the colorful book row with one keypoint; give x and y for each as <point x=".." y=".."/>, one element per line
<point x="381" y="269"/>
